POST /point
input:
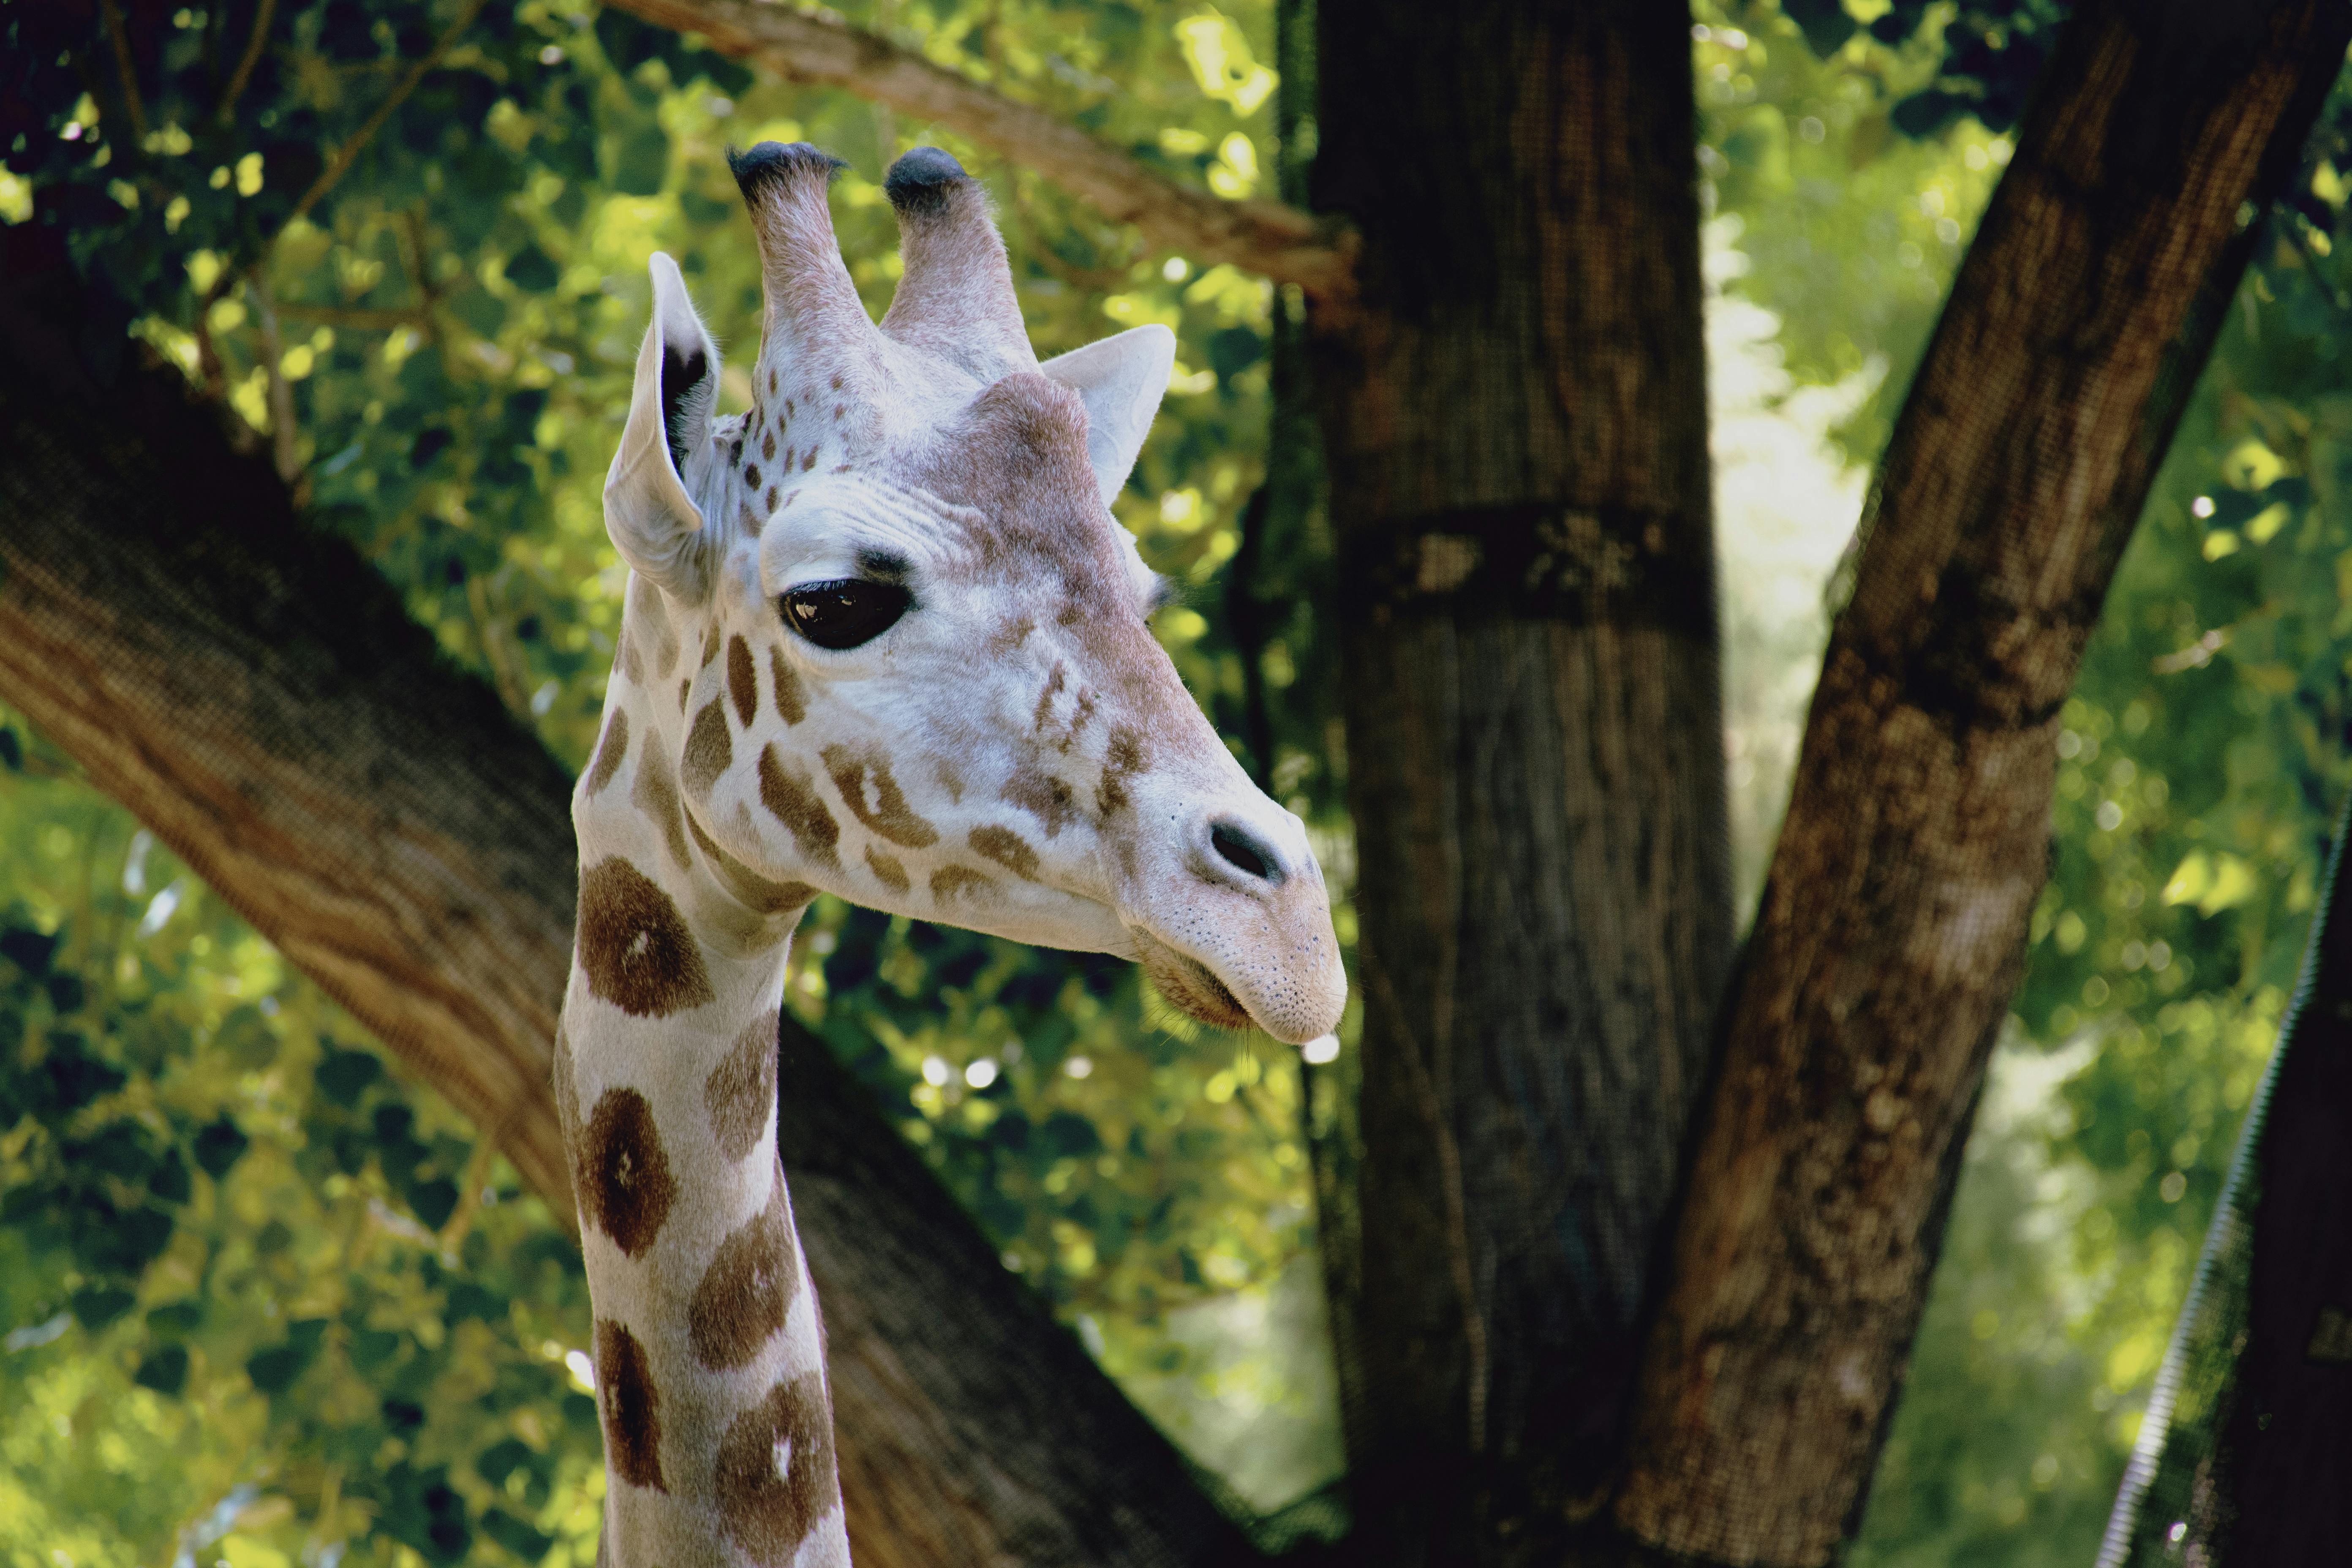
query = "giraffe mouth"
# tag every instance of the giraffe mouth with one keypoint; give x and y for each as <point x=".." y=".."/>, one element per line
<point x="1190" y="988"/>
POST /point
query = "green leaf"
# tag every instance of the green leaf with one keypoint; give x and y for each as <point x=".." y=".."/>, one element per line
<point x="165" y="1369"/>
<point x="533" y="270"/>
<point x="1824" y="24"/>
<point x="640" y="165"/>
<point x="220" y="1145"/>
<point x="343" y="1076"/>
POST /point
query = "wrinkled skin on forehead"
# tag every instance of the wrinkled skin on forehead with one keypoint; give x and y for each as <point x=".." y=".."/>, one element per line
<point x="1014" y="753"/>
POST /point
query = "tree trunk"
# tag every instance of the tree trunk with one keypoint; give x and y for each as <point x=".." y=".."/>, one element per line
<point x="1892" y="931"/>
<point x="257" y="695"/>
<point x="1515" y="418"/>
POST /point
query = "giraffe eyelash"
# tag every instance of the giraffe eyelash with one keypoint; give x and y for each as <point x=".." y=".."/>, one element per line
<point x="1164" y="591"/>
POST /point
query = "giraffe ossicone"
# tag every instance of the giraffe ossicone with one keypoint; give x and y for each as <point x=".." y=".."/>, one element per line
<point x="882" y="638"/>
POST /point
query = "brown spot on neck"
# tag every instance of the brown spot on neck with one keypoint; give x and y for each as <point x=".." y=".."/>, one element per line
<point x="790" y="798"/>
<point x="630" y="1406"/>
<point x="747" y="1291"/>
<point x="1008" y="850"/>
<point x="951" y="882"/>
<point x="709" y="751"/>
<point x="887" y="869"/>
<point x="710" y="641"/>
<point x="625" y="1180"/>
<point x="656" y="796"/>
<point x="609" y="751"/>
<point x="889" y="815"/>
<point x="768" y="1515"/>
<point x="632" y="945"/>
<point x="741" y="1090"/>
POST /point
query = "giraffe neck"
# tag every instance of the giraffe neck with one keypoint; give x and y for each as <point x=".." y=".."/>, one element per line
<point x="708" y="1350"/>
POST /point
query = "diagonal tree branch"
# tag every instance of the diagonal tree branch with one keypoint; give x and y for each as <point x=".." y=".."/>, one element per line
<point x="1269" y="237"/>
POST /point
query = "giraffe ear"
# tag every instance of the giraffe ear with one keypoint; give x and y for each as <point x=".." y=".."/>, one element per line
<point x="653" y="520"/>
<point x="1122" y="380"/>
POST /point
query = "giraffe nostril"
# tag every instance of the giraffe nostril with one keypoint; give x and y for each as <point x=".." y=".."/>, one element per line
<point x="1237" y="847"/>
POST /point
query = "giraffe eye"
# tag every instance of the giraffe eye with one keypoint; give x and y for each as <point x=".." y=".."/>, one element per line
<point x="845" y="613"/>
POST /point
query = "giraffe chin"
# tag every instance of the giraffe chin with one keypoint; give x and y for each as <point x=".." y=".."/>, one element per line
<point x="1189" y="987"/>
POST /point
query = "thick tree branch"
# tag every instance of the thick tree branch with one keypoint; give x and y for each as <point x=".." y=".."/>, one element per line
<point x="1281" y="242"/>
<point x="257" y="695"/>
<point x="1892" y="933"/>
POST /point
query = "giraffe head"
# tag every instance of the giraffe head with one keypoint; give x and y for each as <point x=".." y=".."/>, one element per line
<point x="891" y="642"/>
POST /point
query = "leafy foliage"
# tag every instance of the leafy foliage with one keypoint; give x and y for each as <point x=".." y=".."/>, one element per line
<point x="242" y="1261"/>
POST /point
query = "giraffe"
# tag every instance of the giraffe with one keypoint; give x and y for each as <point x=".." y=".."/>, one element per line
<point x="881" y="637"/>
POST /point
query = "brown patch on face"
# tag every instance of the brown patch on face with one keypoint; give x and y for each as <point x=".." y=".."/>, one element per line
<point x="949" y="881"/>
<point x="752" y="476"/>
<point x="792" y="455"/>
<point x="742" y="682"/>
<point x="609" y="751"/>
<point x="624" y="1181"/>
<point x="765" y="1514"/>
<point x="747" y="885"/>
<point x="772" y="498"/>
<point x="795" y="804"/>
<point x="887" y="869"/>
<point x="772" y="389"/>
<point x="625" y="657"/>
<point x="631" y="1408"/>
<point x="1008" y="850"/>
<point x="749" y="1288"/>
<point x="1012" y="635"/>
<point x="1054" y="682"/>
<point x="656" y="794"/>
<point x="1124" y="759"/>
<point x="890" y="815"/>
<point x="792" y="706"/>
<point x="741" y="1090"/>
<point x="1044" y="796"/>
<point x="709" y="643"/>
<point x="632" y="945"/>
<point x="808" y="460"/>
<point x="708" y="753"/>
<point x="684" y="690"/>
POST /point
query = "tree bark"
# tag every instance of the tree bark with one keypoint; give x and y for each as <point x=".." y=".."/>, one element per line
<point x="1891" y="934"/>
<point x="1514" y="412"/>
<point x="1281" y="242"/>
<point x="257" y="695"/>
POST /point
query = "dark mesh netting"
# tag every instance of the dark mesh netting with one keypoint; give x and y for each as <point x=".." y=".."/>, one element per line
<point x="2246" y="1456"/>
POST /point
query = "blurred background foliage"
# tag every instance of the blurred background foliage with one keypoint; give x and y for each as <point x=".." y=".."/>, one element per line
<point x="265" y="1303"/>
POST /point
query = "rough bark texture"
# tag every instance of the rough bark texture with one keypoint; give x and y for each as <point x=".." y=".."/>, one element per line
<point x="256" y="693"/>
<point x="1514" y="412"/>
<point x="819" y="48"/>
<point x="1892" y="929"/>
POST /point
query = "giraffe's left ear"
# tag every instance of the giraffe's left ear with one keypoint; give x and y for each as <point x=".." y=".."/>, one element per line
<point x="1122" y="380"/>
<point x="652" y="520"/>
